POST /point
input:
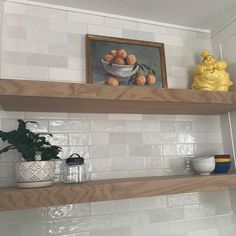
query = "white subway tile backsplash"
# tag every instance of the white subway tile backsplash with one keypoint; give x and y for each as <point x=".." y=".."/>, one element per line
<point x="78" y="126"/>
<point x="160" y="229"/>
<point x="183" y="199"/>
<point x="45" y="43"/>
<point x="182" y="33"/>
<point x="65" y="74"/>
<point x="107" y="126"/>
<point x="144" y="203"/>
<point x="45" y="35"/>
<point x="47" y="12"/>
<point x="45" y="60"/>
<point x="85" y="18"/>
<point x="17" y="8"/>
<point x="125" y="138"/>
<point x="25" y="21"/>
<point x="20" y="45"/>
<point x="121" y="24"/>
<point x="139" y="35"/>
<point x="104" y="30"/>
<point x="14" y="32"/>
<point x="88" y="116"/>
<point x="169" y="40"/>
<point x="142" y="126"/>
<point x="124" y="116"/>
<point x="69" y="50"/>
<point x="145" y="150"/>
<point x="204" y="233"/>
<point x="24" y="71"/>
<point x="10" y="230"/>
<point x="66" y="26"/>
<point x="152" y="28"/>
<point x="80" y="139"/>
<point x="127" y="164"/>
<point x="46" y="115"/>
<point x="152" y="138"/>
<point x="11" y="57"/>
<point x="76" y="63"/>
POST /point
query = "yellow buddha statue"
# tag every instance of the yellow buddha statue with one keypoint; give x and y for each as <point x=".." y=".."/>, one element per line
<point x="210" y="74"/>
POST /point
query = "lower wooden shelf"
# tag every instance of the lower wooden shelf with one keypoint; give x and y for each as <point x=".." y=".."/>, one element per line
<point x="105" y="190"/>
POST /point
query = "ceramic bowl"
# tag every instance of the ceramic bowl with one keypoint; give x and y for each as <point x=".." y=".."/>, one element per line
<point x="222" y="160"/>
<point x="222" y="167"/>
<point x="223" y="156"/>
<point x="204" y="165"/>
<point x="123" y="71"/>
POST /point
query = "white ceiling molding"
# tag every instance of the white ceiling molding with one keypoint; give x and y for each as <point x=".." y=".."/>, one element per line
<point x="73" y="9"/>
<point x="227" y="22"/>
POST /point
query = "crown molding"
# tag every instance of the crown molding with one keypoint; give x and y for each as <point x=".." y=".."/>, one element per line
<point x="223" y="24"/>
<point x="138" y="20"/>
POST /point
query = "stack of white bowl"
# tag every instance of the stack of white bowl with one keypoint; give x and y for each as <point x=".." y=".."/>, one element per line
<point x="204" y="165"/>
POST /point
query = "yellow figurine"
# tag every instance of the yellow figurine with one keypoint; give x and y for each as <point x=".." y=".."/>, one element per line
<point x="210" y="74"/>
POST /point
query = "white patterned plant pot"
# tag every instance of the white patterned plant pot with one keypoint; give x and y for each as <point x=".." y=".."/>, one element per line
<point x="33" y="174"/>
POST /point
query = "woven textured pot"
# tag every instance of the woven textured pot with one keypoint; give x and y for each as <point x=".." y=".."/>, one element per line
<point x="32" y="174"/>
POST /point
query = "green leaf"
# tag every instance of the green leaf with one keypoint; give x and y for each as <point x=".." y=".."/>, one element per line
<point x="29" y="143"/>
<point x="141" y="67"/>
<point x="135" y="66"/>
<point x="131" y="79"/>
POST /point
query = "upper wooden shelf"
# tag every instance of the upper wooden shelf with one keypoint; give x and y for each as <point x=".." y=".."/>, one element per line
<point x="28" y="95"/>
<point x="105" y="190"/>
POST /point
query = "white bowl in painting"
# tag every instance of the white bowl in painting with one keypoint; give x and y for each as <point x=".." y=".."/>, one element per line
<point x="204" y="165"/>
<point x="122" y="71"/>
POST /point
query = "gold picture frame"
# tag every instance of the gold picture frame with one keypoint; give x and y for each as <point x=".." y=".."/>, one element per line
<point x="150" y="59"/>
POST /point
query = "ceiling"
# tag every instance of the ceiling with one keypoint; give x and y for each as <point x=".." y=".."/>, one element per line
<point x="203" y="14"/>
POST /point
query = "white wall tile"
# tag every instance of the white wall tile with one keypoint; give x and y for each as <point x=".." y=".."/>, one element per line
<point x="121" y="24"/>
<point x="23" y="71"/>
<point x="76" y="63"/>
<point x="69" y="27"/>
<point x="64" y="74"/>
<point x="47" y="12"/>
<point x="25" y="46"/>
<point x="124" y="117"/>
<point x="45" y="35"/>
<point x="25" y="21"/>
<point x="104" y="30"/>
<point x="14" y="32"/>
<point x="139" y="35"/>
<point x="152" y="28"/>
<point x="169" y="40"/>
<point x="46" y="60"/>
<point x="11" y="57"/>
<point x="85" y="18"/>
<point x="15" y="8"/>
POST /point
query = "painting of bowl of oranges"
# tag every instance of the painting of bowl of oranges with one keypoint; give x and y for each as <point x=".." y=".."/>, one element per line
<point x="114" y="61"/>
<point x="119" y="63"/>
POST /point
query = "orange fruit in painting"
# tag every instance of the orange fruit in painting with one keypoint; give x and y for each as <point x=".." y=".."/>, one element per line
<point x="119" y="61"/>
<point x="139" y="79"/>
<point x="108" y="58"/>
<point x="111" y="80"/>
<point x="131" y="59"/>
<point x="150" y="79"/>
<point x="113" y="52"/>
<point x="121" y="53"/>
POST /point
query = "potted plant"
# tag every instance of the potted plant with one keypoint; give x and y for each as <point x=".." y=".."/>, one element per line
<point x="37" y="166"/>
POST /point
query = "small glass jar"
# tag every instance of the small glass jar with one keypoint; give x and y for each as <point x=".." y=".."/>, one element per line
<point x="75" y="169"/>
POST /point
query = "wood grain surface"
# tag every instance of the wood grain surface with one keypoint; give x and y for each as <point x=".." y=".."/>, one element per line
<point x="26" y="95"/>
<point x="105" y="190"/>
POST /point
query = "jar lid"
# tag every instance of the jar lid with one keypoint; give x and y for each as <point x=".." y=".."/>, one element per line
<point x="75" y="160"/>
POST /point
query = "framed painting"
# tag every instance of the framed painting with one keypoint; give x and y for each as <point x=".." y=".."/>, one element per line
<point x="120" y="61"/>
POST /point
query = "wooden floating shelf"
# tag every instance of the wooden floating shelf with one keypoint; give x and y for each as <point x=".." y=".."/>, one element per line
<point x="105" y="190"/>
<point x="39" y="96"/>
